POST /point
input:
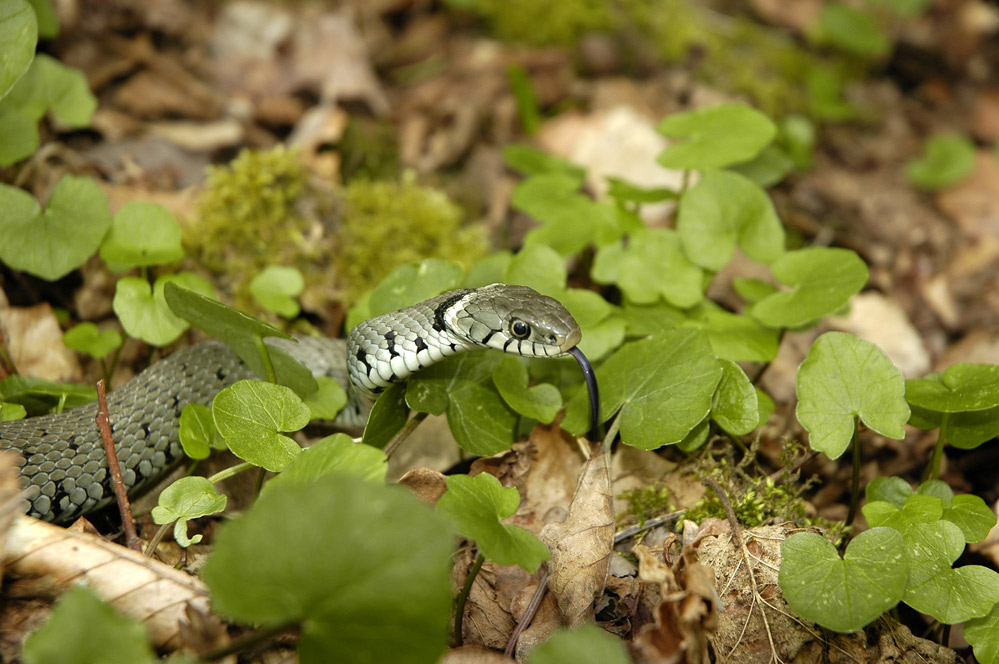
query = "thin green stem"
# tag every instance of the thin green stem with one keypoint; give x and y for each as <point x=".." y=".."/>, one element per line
<point x="157" y="538"/>
<point x="459" y="605"/>
<point x="855" y="482"/>
<point x="933" y="469"/>
<point x="226" y="473"/>
<point x="265" y="357"/>
<point x="403" y="434"/>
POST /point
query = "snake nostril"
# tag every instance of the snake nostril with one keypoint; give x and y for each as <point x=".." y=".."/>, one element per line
<point x="552" y="339"/>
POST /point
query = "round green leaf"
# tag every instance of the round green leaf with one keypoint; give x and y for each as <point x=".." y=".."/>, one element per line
<point x="539" y="402"/>
<point x="822" y="281"/>
<point x="388" y="416"/>
<point x="370" y="584"/>
<point x="86" y="338"/>
<point x="733" y="337"/>
<point x="961" y="388"/>
<point x="197" y="431"/>
<point x="414" y="282"/>
<point x="251" y="415"/>
<point x="276" y="289"/>
<point x="851" y="29"/>
<point x="142" y="234"/>
<point x="539" y="267"/>
<point x="532" y="161"/>
<point x="842" y="378"/>
<point x="328" y="399"/>
<point x="145" y="314"/>
<point x="18" y="36"/>
<point x="12" y="411"/>
<point x="187" y="498"/>
<point x="716" y="137"/>
<point x="81" y="628"/>
<point x="18" y="136"/>
<point x="649" y="266"/>
<point x="724" y="209"/>
<point x="584" y="645"/>
<point x="476" y="505"/>
<point x="946" y="160"/>
<point x="734" y="405"/>
<point x="50" y="86"/>
<point x="891" y="489"/>
<point x="333" y="456"/>
<point x="53" y="243"/>
<point x="983" y="634"/>
<point x="843" y="594"/>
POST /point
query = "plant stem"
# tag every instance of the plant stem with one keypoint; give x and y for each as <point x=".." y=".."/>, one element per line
<point x="226" y="473"/>
<point x="265" y="358"/>
<point x="933" y="469"/>
<point x="403" y="434"/>
<point x="612" y="431"/>
<point x="855" y="483"/>
<point x="459" y="605"/>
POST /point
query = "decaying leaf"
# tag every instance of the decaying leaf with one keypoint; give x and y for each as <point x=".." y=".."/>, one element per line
<point x="581" y="546"/>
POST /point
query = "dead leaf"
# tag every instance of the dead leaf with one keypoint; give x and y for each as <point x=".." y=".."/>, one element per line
<point x="34" y="340"/>
<point x="145" y="589"/>
<point x="426" y="484"/>
<point x="581" y="546"/>
<point x="973" y="203"/>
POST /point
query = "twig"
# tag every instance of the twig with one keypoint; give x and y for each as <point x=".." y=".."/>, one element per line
<point x="529" y="613"/>
<point x="459" y="605"/>
<point x="403" y="434"/>
<point x="648" y="524"/>
<point x="121" y="495"/>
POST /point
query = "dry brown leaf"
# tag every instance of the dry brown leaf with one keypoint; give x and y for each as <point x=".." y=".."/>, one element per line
<point x="34" y="339"/>
<point x="973" y="203"/>
<point x="582" y="545"/>
<point x="426" y="484"/>
<point x="145" y="589"/>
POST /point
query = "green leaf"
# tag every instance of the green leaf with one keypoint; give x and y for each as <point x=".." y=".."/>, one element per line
<point x="18" y="136"/>
<point x="584" y="645"/>
<point x="414" y="282"/>
<point x="916" y="509"/>
<point x="648" y="266"/>
<point x="663" y="383"/>
<point x="570" y="221"/>
<point x="824" y="89"/>
<point x="48" y="20"/>
<point x="643" y="320"/>
<point x="489" y="269"/>
<point x="328" y="399"/>
<point x="142" y="234"/>
<point x="725" y="209"/>
<point x="12" y="411"/>
<point x="532" y="161"/>
<point x="80" y="630"/>
<point x="335" y="455"/>
<point x="843" y="594"/>
<point x="766" y="405"/>
<point x="842" y="378"/>
<point x="822" y="281"/>
<point x="276" y="288"/>
<point x="697" y="436"/>
<point x="733" y="337"/>
<point x="768" y="168"/>
<point x="935" y="588"/>
<point x="734" y="405"/>
<point x="41" y="396"/>
<point x="18" y="37"/>
<point x="243" y="333"/>
<point x="53" y="243"/>
<point x="387" y="417"/>
<point x="50" y="86"/>
<point x="479" y="419"/>
<point x="143" y="310"/>
<point x="892" y="489"/>
<point x="197" y="432"/>
<point x="716" y="137"/>
<point x="476" y="505"/>
<point x="86" y="338"/>
<point x="946" y="160"/>
<point x="626" y="192"/>
<point x="970" y="513"/>
<point x="753" y="290"/>
<point x="187" y="498"/>
<point x="539" y="402"/>
<point x="361" y="593"/>
<point x="983" y="634"/>
<point x="852" y="30"/>
<point x="251" y="415"/>
<point x="538" y="267"/>
<point x="962" y="387"/>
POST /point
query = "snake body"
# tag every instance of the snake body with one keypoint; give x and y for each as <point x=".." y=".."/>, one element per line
<point x="64" y="469"/>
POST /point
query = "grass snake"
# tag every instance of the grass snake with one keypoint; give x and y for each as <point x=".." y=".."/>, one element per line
<point x="62" y="462"/>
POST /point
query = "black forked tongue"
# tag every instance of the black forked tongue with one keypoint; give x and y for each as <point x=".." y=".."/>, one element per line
<point x="591" y="386"/>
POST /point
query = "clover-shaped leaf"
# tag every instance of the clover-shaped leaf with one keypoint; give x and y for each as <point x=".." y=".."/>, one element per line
<point x="717" y="136"/>
<point x="359" y="593"/>
<point x="476" y="506"/>
<point x="538" y="402"/>
<point x="251" y="415"/>
<point x="894" y="490"/>
<point x="664" y="384"/>
<point x="142" y="234"/>
<point x="143" y="310"/>
<point x="276" y="288"/>
<point x="935" y="588"/>
<point x="822" y="281"/>
<point x="187" y="498"/>
<point x="735" y="406"/>
<point x="963" y="402"/>
<point x="842" y="378"/>
<point x="843" y="594"/>
<point x="334" y="455"/>
<point x="650" y="266"/>
<point x="733" y="337"/>
<point x="53" y="243"/>
<point x="538" y="267"/>
<point x="946" y="160"/>
<point x="915" y="509"/>
<point x="50" y="86"/>
<point x="725" y="209"/>
<point x="86" y="338"/>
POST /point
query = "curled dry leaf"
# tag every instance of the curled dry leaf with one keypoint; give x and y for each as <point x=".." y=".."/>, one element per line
<point x="426" y="484"/>
<point x="34" y="338"/>
<point x="139" y="587"/>
<point x="581" y="546"/>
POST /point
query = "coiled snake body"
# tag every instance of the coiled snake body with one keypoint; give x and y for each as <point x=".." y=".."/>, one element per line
<point x="62" y="461"/>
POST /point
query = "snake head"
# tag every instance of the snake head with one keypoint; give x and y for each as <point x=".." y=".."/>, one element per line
<point x="517" y="320"/>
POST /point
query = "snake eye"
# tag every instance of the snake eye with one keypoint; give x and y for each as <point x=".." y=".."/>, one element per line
<point x="519" y="328"/>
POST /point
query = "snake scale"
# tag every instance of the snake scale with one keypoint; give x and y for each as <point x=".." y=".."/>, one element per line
<point x="62" y="462"/>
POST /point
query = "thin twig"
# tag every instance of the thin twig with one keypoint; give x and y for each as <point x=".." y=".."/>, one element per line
<point x="529" y="613"/>
<point x="403" y="434"/>
<point x="648" y="524"/>
<point x="459" y="605"/>
<point x="121" y="495"/>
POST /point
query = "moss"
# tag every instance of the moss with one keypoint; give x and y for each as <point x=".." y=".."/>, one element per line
<point x="545" y="22"/>
<point x="645" y="503"/>
<point x="368" y="150"/>
<point x="386" y="224"/>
